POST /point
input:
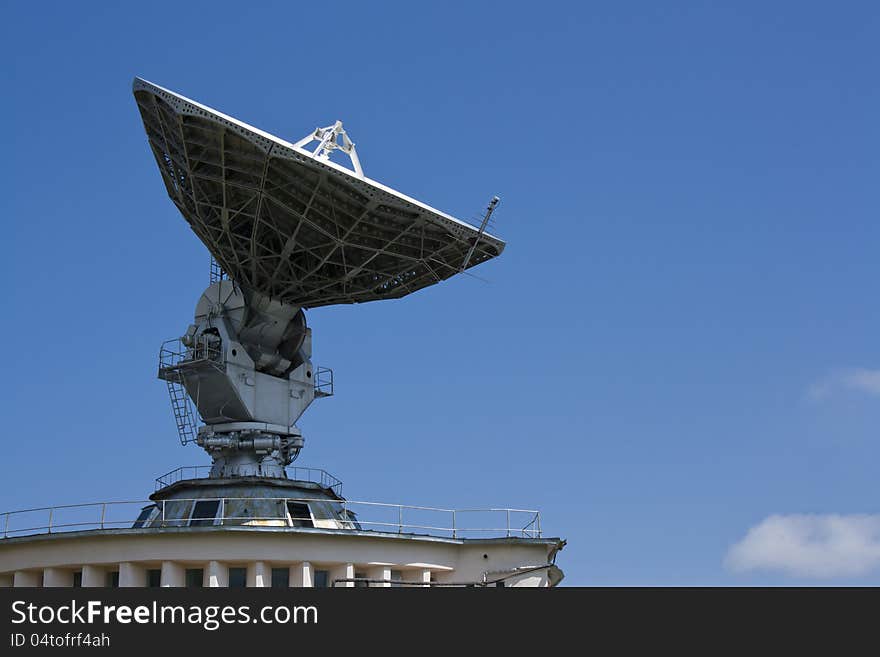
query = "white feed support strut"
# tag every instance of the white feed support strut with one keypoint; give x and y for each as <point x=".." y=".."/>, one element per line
<point x="329" y="140"/>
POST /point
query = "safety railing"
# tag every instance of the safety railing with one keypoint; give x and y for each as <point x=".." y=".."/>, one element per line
<point x="323" y="382"/>
<point x="296" y="473"/>
<point x="174" y="352"/>
<point x="351" y="515"/>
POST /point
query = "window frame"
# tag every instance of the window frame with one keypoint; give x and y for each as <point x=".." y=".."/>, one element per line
<point x="290" y="519"/>
<point x="204" y="521"/>
<point x="272" y="578"/>
<point x="326" y="574"/>
<point x="186" y="575"/>
<point x="229" y="577"/>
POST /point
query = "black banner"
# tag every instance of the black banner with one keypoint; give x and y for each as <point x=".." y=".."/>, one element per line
<point x="457" y="620"/>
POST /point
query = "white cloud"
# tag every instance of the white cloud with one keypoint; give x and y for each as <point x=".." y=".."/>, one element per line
<point x="861" y="380"/>
<point x="815" y="546"/>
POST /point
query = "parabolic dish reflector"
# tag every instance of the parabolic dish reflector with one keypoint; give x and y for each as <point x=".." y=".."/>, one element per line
<point x="287" y="224"/>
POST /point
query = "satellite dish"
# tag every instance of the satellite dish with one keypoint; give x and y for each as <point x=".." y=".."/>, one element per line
<point x="287" y="229"/>
<point x="291" y="224"/>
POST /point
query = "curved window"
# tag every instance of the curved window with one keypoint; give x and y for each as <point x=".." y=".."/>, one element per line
<point x="204" y="513"/>
<point x="300" y="515"/>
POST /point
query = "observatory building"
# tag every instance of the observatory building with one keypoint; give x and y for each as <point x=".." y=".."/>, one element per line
<point x="288" y="229"/>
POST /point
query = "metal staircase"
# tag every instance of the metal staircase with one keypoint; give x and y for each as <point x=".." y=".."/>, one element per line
<point x="184" y="417"/>
<point x="174" y="359"/>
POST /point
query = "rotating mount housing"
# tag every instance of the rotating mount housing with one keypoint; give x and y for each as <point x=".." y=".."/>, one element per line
<point x="246" y="364"/>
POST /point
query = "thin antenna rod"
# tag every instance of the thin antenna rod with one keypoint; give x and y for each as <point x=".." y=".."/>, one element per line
<point x="489" y="210"/>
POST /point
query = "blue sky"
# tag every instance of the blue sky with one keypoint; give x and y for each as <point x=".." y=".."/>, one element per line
<point x="679" y="342"/>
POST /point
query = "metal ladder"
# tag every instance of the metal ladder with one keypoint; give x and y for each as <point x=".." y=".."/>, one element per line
<point x="180" y="406"/>
<point x="217" y="272"/>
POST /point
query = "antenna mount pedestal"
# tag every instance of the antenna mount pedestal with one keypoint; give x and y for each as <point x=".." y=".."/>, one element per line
<point x="249" y="449"/>
<point x="245" y="364"/>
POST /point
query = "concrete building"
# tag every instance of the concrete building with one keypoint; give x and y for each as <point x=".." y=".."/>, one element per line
<point x="271" y="532"/>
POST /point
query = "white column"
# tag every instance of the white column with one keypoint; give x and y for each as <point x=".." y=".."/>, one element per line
<point x="259" y="575"/>
<point x="302" y="575"/>
<point x="93" y="576"/>
<point x="5" y="581"/>
<point x="131" y="575"/>
<point x="57" y="577"/>
<point x="173" y="574"/>
<point x="380" y="572"/>
<point x="218" y="575"/>
<point x="27" y="578"/>
<point x="422" y="576"/>
<point x="342" y="571"/>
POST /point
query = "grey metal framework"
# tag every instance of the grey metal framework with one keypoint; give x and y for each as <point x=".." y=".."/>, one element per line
<point x="293" y="226"/>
